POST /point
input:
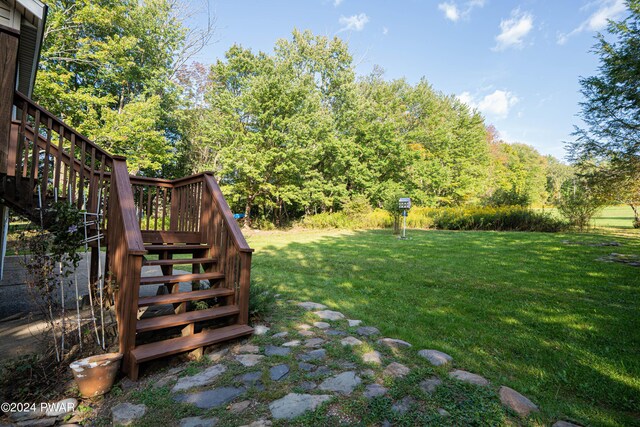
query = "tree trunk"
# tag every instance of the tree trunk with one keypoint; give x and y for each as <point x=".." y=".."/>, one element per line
<point x="247" y="213"/>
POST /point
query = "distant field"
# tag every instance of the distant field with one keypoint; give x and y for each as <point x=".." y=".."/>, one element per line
<point x="616" y="217"/>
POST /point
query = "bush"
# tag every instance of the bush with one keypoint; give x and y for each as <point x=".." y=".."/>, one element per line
<point x="579" y="203"/>
<point x="477" y="218"/>
<point x="498" y="219"/>
<point x="262" y="300"/>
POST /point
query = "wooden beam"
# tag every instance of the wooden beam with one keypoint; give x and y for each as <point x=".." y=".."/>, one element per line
<point x="8" y="59"/>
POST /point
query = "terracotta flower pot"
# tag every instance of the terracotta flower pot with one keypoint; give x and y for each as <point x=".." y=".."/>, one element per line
<point x="95" y="375"/>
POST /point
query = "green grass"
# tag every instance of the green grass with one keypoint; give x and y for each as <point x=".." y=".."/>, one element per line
<point x="522" y="309"/>
<point x="611" y="217"/>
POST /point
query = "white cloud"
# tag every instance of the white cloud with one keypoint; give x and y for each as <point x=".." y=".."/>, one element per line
<point x="454" y="13"/>
<point x="385" y="31"/>
<point x="606" y="9"/>
<point x="450" y="11"/>
<point x="355" y="22"/>
<point x="337" y="3"/>
<point x="514" y="30"/>
<point x="497" y="104"/>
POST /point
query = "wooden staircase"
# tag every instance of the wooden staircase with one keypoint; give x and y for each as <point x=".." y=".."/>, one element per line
<point x="148" y="223"/>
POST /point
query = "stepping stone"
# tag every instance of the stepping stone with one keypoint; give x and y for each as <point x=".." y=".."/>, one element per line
<point x="198" y="422"/>
<point x="307" y="385"/>
<point x="236" y="408"/>
<point x="517" y="402"/>
<point x="211" y="398"/>
<point x="430" y="385"/>
<point x="351" y="341"/>
<point x="306" y="333"/>
<point x="166" y="380"/>
<point x="347" y="365"/>
<point x="565" y="424"/>
<point x="280" y="334"/>
<point x="443" y="412"/>
<point x="353" y="323"/>
<point x="42" y="422"/>
<point x="313" y="355"/>
<point x="293" y="343"/>
<point x="272" y="350"/>
<point x="342" y="383"/>
<point x="335" y="332"/>
<point x="403" y="406"/>
<point x="260" y="423"/>
<point x="249" y="379"/>
<point x="278" y="372"/>
<point x="247" y="348"/>
<point x="396" y="370"/>
<point x="394" y="343"/>
<point x="314" y="343"/>
<point x="367" y="331"/>
<point x="320" y="372"/>
<point x="306" y="366"/>
<point x="312" y="305"/>
<point x="435" y="357"/>
<point x="372" y="357"/>
<point x="126" y="413"/>
<point x="304" y="327"/>
<point x="468" y="377"/>
<point x="294" y="405"/>
<point x="321" y="325"/>
<point x="203" y="378"/>
<point x="374" y="390"/>
<point x="260" y="329"/>
<point x="217" y="356"/>
<point x="329" y="315"/>
<point x="62" y="407"/>
<point x="249" y="359"/>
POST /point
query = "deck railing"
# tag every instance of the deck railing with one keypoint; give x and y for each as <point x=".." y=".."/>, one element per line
<point x="51" y="159"/>
<point x="194" y="210"/>
<point x="47" y="159"/>
<point x="126" y="251"/>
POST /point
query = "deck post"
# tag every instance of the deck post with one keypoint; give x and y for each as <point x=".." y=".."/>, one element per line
<point x="8" y="60"/>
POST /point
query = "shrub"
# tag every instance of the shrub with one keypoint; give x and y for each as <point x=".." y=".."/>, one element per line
<point x="498" y="219"/>
<point x="262" y="299"/>
<point x="475" y="218"/>
<point x="578" y="203"/>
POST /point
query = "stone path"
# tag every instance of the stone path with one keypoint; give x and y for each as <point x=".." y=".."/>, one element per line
<point x="284" y="374"/>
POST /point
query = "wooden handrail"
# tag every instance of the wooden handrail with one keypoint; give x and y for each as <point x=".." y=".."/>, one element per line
<point x="131" y="229"/>
<point x="227" y="215"/>
<point x="58" y="123"/>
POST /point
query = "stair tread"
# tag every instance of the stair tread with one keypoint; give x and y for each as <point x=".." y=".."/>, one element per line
<point x="185" y="296"/>
<point x="178" y="261"/>
<point x="171" y="346"/>
<point x="176" y="248"/>
<point x="180" y="278"/>
<point x="168" y="321"/>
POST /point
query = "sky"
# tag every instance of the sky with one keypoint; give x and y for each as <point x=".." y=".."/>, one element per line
<point x="517" y="62"/>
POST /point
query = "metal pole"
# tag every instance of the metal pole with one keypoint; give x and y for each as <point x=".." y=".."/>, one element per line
<point x="404" y="224"/>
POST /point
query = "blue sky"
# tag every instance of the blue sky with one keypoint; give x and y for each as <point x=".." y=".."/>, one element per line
<point x="517" y="62"/>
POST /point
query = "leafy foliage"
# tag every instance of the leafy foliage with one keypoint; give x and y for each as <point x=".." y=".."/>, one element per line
<point x="579" y="202"/>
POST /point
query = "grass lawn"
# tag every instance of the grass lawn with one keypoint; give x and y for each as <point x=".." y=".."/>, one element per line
<point x="523" y="309"/>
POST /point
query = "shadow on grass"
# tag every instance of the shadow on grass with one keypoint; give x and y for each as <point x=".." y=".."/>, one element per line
<point x="524" y="309"/>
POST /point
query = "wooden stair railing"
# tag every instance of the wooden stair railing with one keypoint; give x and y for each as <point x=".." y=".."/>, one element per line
<point x="191" y="216"/>
<point x="126" y="251"/>
<point x="141" y="216"/>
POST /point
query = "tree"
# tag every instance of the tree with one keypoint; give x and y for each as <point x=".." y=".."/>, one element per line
<point x="107" y="68"/>
<point x="579" y="202"/>
<point x="611" y="110"/>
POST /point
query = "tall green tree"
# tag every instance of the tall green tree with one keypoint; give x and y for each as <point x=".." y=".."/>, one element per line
<point x="611" y="110"/>
<point x="107" y="67"/>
